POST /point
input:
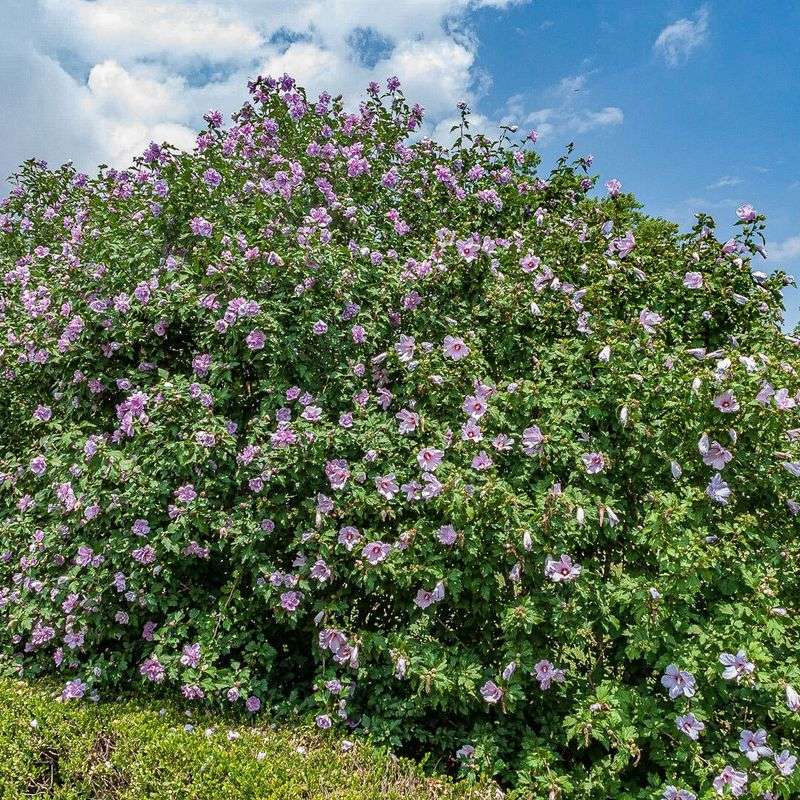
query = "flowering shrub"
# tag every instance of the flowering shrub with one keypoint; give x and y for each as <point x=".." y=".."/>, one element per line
<point x="328" y="418"/>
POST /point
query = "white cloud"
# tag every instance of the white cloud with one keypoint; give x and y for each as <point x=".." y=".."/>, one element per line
<point x="568" y="115"/>
<point x="784" y="252"/>
<point x="724" y="182"/>
<point x="96" y="80"/>
<point x="680" y="39"/>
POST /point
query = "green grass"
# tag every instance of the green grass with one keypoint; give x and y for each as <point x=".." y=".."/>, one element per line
<point x="128" y="750"/>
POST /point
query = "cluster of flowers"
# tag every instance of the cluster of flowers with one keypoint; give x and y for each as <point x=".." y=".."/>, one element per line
<point x="417" y="440"/>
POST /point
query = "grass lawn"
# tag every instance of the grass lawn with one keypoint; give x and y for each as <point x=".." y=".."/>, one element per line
<point x="127" y="750"/>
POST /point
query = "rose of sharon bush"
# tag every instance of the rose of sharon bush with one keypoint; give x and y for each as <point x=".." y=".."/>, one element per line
<point x="325" y="417"/>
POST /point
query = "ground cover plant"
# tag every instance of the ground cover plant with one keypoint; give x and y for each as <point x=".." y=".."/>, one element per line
<point x="324" y="417"/>
<point x="134" y="750"/>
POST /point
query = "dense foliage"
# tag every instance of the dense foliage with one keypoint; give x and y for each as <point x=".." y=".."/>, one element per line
<point x="323" y="416"/>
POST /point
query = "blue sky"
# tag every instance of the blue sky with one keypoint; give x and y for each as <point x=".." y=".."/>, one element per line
<point x="692" y="105"/>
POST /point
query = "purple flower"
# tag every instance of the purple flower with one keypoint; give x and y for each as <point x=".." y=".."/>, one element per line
<point x="375" y="552"/>
<point x="491" y="692"/>
<point x="191" y="655"/>
<point x="387" y="486"/>
<point x="716" y="456"/>
<point x="252" y="704"/>
<point x="429" y="458"/>
<point x="43" y="413"/>
<point x="649" y="320"/>
<point x="678" y="682"/>
<point x="212" y="178"/>
<point x="405" y="348"/>
<point x="186" y="493"/>
<point x="693" y="280"/>
<point x="594" y="462"/>
<point x="152" y="669"/>
<point x="474" y="406"/>
<point x="447" y="534"/>
<point x="671" y="793"/>
<point x="337" y="472"/>
<point x="74" y="690"/>
<point x="532" y="440"/>
<point x="690" y="725"/>
<point x="408" y="421"/>
<point x="754" y="744"/>
<point x="545" y="672"/>
<point x="730" y="777"/>
<point x="290" y="601"/>
<point x="482" y="461"/>
<point x="726" y="402"/>
<point x="746" y="212"/>
<point x="561" y="570"/>
<point x="349" y="536"/>
<point x="255" y="340"/>
<point x="785" y="762"/>
<point x="718" y="490"/>
<point x="736" y="666"/>
<point x="455" y="348"/>
<point x="613" y="187"/>
<point x="792" y="699"/>
<point x="144" y="555"/>
<point x="201" y="227"/>
<point x="319" y="327"/>
<point x="323" y="721"/>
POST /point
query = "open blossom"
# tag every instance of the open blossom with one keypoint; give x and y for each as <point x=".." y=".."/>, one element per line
<point x="730" y="777"/>
<point x="152" y="669"/>
<point x="785" y="762"/>
<point x="446" y="534"/>
<point x="455" y="348"/>
<point x="594" y="462"/>
<point x="736" y="666"/>
<point x="337" y="473"/>
<point x="690" y="725"/>
<point x="678" y="682"/>
<point x="693" y="280"/>
<point x="429" y="458"/>
<point x="255" y="340"/>
<point x="405" y="348"/>
<point x="201" y="227"/>
<point x="74" y="690"/>
<point x="387" y="486"/>
<point x="375" y="552"/>
<point x="561" y="570"/>
<point x="408" y="420"/>
<point x="716" y="456"/>
<point x="726" y="402"/>
<point x="718" y="490"/>
<point x="290" y="601"/>
<point x="349" y="537"/>
<point x="746" y="212"/>
<point x="792" y="699"/>
<point x="649" y="320"/>
<point x="186" y="493"/>
<point x="532" y="440"/>
<point x="673" y="793"/>
<point x="754" y="744"/>
<point x="491" y="692"/>
<point x="546" y="673"/>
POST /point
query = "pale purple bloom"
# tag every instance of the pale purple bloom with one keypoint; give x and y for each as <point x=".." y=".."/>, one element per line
<point x="201" y="227"/>
<point x="387" y="486"/>
<point x="730" y="777"/>
<point x="754" y="744"/>
<point x="726" y="402"/>
<point x="408" y="420"/>
<point x="491" y="692"/>
<point x="693" y="280"/>
<point x="792" y="467"/>
<point x="785" y="762"/>
<point x="349" y="536"/>
<point x="429" y="458"/>
<point x="792" y="699"/>
<point x="337" y="472"/>
<point x="152" y="669"/>
<point x="455" y="348"/>
<point x="649" y="320"/>
<point x="678" y="682"/>
<point x="716" y="456"/>
<point x="290" y="601"/>
<point x="690" y="725"/>
<point x="74" y="690"/>
<point x="323" y="721"/>
<point x="736" y="666"/>
<point x="405" y="348"/>
<point x="746" y="212"/>
<point x="252" y="704"/>
<point x="561" y="570"/>
<point x="546" y="673"/>
<point x="532" y="440"/>
<point x="255" y="340"/>
<point x="482" y="461"/>
<point x="375" y="552"/>
<point x="671" y="793"/>
<point x="191" y="655"/>
<point x="475" y="406"/>
<point x="613" y="187"/>
<point x="594" y="462"/>
<point x="186" y="493"/>
<point x="447" y="534"/>
<point x="718" y="490"/>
